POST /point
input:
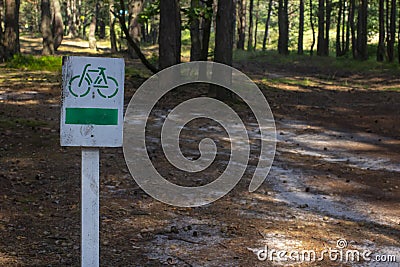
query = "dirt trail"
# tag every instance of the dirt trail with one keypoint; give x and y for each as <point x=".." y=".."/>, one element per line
<point x="335" y="176"/>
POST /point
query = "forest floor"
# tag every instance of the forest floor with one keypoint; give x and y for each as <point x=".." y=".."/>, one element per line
<point x="335" y="175"/>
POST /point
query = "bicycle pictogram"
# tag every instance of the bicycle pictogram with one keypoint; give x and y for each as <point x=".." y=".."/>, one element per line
<point x="80" y="85"/>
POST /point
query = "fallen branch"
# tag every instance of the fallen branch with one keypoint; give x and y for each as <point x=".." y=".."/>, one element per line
<point x="129" y="39"/>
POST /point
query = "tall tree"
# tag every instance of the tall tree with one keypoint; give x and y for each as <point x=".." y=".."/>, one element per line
<point x="11" y="31"/>
<point x="362" y="31"/>
<point x="327" y="26"/>
<point x="256" y="24"/>
<point x="398" y="41"/>
<point x="283" y="24"/>
<point x="346" y="34"/>
<point x="301" y="28"/>
<point x="391" y="26"/>
<point x="170" y="34"/>
<point x="342" y="30"/>
<point x="206" y="29"/>
<point x="48" y="43"/>
<point x="338" y="29"/>
<point x="92" y="33"/>
<point x="72" y="14"/>
<point x="266" y="32"/>
<point x="352" y="12"/>
<point x="380" y="54"/>
<point x="312" y="28"/>
<point x="250" y="32"/>
<point x="200" y="14"/>
<point x="195" y="44"/>
<point x="223" y="45"/>
<point x="1" y="31"/>
<point x="134" y="9"/>
<point x="322" y="49"/>
<point x="113" y="37"/>
<point x="58" y="25"/>
<point x="241" y="24"/>
<point x="224" y="32"/>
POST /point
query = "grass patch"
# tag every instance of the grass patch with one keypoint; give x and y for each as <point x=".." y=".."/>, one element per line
<point x="393" y="89"/>
<point x="317" y="64"/>
<point x="130" y="71"/>
<point x="29" y="62"/>
<point x="296" y="82"/>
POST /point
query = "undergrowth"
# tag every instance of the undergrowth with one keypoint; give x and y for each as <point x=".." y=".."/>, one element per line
<point x="29" y="62"/>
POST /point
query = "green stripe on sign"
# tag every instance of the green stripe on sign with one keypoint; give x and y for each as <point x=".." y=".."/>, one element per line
<point x="96" y="116"/>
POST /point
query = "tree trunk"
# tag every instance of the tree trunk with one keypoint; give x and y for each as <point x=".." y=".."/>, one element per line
<point x="241" y="24"/>
<point x="195" y="44"/>
<point x="345" y="29"/>
<point x="134" y="8"/>
<point x="80" y="17"/>
<point x="250" y="32"/>
<point x="58" y="25"/>
<point x="256" y="25"/>
<point x="1" y="21"/>
<point x="154" y="32"/>
<point x="398" y="41"/>
<point x="113" y="37"/>
<point x="347" y="44"/>
<point x="170" y="34"/>
<point x="321" y="28"/>
<point x="339" y="51"/>
<point x="353" y="28"/>
<point x="214" y="18"/>
<point x="84" y="23"/>
<point x="391" y="35"/>
<point x="1" y="32"/>
<point x="205" y="37"/>
<point x="327" y="26"/>
<point x="147" y="37"/>
<point x="380" y="54"/>
<point x="301" y="29"/>
<point x="266" y="32"/>
<point x="312" y="29"/>
<point x="387" y="19"/>
<point x="223" y="34"/>
<point x="48" y="42"/>
<point x="72" y="18"/>
<point x="92" y="34"/>
<point x="283" y="23"/>
<point x="223" y="46"/>
<point x="362" y="31"/>
<point x="11" y="31"/>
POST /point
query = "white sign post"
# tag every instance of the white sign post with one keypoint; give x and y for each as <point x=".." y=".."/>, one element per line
<point x="91" y="117"/>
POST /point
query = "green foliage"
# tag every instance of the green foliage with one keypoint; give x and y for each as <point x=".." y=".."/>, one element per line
<point x="196" y="12"/>
<point x="151" y="10"/>
<point x="29" y="62"/>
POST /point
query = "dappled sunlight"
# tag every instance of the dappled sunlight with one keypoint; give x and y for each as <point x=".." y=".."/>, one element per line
<point x="7" y="259"/>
